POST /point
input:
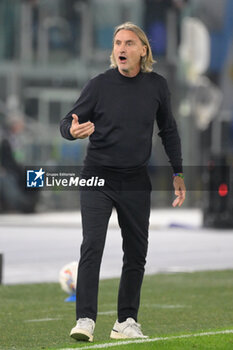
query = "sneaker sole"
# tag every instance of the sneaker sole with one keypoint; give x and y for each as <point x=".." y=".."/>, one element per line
<point x="117" y="335"/>
<point x="80" y="334"/>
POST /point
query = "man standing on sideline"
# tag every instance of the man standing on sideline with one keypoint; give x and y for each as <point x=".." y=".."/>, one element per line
<point x="117" y="110"/>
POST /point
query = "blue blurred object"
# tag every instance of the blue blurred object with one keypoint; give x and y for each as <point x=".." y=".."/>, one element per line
<point x="71" y="152"/>
<point x="71" y="298"/>
<point x="158" y="36"/>
<point x="104" y="36"/>
<point x="220" y="41"/>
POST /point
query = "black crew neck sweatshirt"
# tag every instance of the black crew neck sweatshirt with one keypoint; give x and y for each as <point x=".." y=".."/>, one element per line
<point x="123" y="110"/>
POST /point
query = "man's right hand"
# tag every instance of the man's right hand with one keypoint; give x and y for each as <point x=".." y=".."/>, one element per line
<point x="81" y="131"/>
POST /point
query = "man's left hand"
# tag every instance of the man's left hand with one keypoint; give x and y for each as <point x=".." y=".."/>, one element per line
<point x="180" y="191"/>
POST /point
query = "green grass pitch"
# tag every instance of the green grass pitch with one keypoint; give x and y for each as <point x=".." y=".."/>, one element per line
<point x="35" y="316"/>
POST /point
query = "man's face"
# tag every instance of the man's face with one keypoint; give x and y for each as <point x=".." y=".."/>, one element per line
<point x="128" y="51"/>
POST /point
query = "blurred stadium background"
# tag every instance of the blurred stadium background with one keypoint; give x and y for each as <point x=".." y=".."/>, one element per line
<point x="49" y="49"/>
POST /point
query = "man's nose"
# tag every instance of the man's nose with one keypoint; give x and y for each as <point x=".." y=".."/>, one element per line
<point x="122" y="47"/>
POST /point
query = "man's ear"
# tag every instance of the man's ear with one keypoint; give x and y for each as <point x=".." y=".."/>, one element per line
<point x="144" y="52"/>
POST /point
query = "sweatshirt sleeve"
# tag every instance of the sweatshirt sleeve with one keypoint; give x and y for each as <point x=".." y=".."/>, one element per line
<point x="83" y="108"/>
<point x="168" y="129"/>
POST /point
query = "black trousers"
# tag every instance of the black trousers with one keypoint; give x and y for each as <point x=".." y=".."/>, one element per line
<point x="130" y="195"/>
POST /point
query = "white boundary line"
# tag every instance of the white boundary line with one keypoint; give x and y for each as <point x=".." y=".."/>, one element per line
<point x="112" y="312"/>
<point x="156" y="306"/>
<point x="166" y="306"/>
<point x="43" y="320"/>
<point x="108" y="345"/>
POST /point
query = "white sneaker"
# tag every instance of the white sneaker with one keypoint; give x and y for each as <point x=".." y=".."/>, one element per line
<point x="83" y="330"/>
<point x="128" y="329"/>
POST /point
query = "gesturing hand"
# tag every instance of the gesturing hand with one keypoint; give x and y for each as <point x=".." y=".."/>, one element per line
<point x="180" y="191"/>
<point x="81" y="131"/>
